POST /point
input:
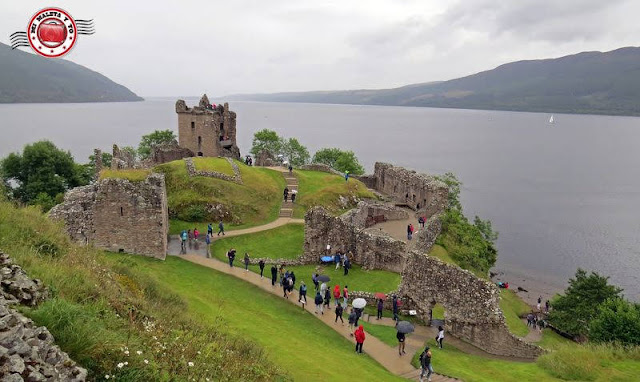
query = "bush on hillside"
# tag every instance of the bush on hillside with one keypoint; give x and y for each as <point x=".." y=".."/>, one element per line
<point x="290" y="149"/>
<point x="152" y="139"/>
<point x="574" y="310"/>
<point x="340" y="160"/>
<point x="618" y="320"/>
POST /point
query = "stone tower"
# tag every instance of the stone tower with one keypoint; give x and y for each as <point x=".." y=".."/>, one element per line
<point x="207" y="131"/>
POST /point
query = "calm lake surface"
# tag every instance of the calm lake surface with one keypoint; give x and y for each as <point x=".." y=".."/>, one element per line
<point x="562" y="196"/>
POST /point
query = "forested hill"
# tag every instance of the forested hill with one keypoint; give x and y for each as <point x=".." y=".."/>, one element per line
<point x="26" y="77"/>
<point x="588" y="82"/>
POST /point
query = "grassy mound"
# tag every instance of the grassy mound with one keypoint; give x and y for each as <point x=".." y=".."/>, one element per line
<point x="324" y="189"/>
<point x="193" y="200"/>
<point x="220" y="165"/>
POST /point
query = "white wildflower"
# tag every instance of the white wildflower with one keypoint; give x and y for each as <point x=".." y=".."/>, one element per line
<point x="106" y="376"/>
<point x="198" y="351"/>
<point x="120" y="365"/>
<point x="126" y="363"/>
<point x="139" y="352"/>
<point x="146" y="361"/>
<point x="126" y="352"/>
<point x="190" y="364"/>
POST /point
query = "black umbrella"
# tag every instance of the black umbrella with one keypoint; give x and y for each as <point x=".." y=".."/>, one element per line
<point x="405" y="327"/>
<point x="323" y="278"/>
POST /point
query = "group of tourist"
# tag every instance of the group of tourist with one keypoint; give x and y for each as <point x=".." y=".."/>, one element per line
<point x="410" y="231"/>
<point x="292" y="192"/>
<point x="248" y="160"/>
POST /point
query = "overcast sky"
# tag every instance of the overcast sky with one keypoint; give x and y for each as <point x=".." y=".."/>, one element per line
<point x="180" y="48"/>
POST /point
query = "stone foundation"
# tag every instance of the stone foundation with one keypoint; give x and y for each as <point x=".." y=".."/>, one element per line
<point x="118" y="215"/>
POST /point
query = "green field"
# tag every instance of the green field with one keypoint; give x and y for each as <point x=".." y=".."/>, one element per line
<point x="220" y="165"/>
<point x="255" y="202"/>
<point x="292" y="338"/>
<point x="317" y="188"/>
<point x="284" y="242"/>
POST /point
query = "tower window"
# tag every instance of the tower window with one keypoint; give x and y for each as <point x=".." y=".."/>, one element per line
<point x="121" y="211"/>
<point x="193" y="125"/>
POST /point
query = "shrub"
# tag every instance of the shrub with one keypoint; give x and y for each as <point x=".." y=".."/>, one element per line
<point x="618" y="320"/>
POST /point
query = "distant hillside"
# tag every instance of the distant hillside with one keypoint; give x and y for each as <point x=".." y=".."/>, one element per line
<point x="26" y="77"/>
<point x="589" y="82"/>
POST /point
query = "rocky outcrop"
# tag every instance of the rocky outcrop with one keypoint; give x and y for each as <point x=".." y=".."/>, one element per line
<point x="118" y="215"/>
<point x="28" y="352"/>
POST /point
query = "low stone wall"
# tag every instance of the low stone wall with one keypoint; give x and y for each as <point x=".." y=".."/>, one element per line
<point x="236" y="178"/>
<point x="118" y="215"/>
<point x="28" y="352"/>
<point x="169" y="152"/>
<point x="424" y="239"/>
<point x="472" y="310"/>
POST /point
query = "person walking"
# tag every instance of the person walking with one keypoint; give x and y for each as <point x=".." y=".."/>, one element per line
<point x="358" y="315"/>
<point x="539" y="303"/>
<point x="380" y="307"/>
<point x="232" y="256"/>
<point x="246" y="261"/>
<point x="285" y="287"/>
<point x="530" y="319"/>
<point x="290" y="168"/>
<point x="360" y="336"/>
<point x="346" y="176"/>
<point x="323" y="288"/>
<point x="352" y="321"/>
<point x="546" y="306"/>
<point x="183" y="238"/>
<point x="440" y="336"/>
<point x="421" y="222"/>
<point x="347" y="265"/>
<point x="286" y="193"/>
<point x="303" y="293"/>
<point x="196" y="233"/>
<point x="401" y="337"/>
<point x="210" y="229"/>
<point x="339" y="310"/>
<point x="337" y="260"/>
<point x="293" y="279"/>
<point x="274" y="275"/>
<point x="190" y="234"/>
<point x="207" y="241"/>
<point x="314" y="278"/>
<point x="336" y="294"/>
<point x="409" y="233"/>
<point x="425" y="364"/>
<point x="318" y="301"/>
<point x="220" y="228"/>
<point x="281" y="279"/>
<point x="327" y="299"/>
<point x="395" y="308"/>
<point x="293" y="196"/>
<point x="345" y="295"/>
<point x="261" y="265"/>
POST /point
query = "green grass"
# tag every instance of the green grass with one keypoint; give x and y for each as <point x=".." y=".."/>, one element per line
<point x="552" y="340"/>
<point x="513" y="308"/>
<point x="438" y="312"/>
<point x="441" y="253"/>
<point x="255" y="202"/>
<point x="317" y="188"/>
<point x="295" y="340"/>
<point x="133" y="175"/>
<point x="220" y="165"/>
<point x="386" y="334"/>
<point x="284" y="242"/>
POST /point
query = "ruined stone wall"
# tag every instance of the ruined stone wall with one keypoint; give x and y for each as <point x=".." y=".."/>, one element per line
<point x="118" y="215"/>
<point x="205" y="131"/>
<point x="28" y="352"/>
<point x="169" y="152"/>
<point x="420" y="192"/>
<point x="122" y="159"/>
<point x="472" y="310"/>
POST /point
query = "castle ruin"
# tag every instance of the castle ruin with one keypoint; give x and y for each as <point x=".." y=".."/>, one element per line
<point x="206" y="130"/>
<point x="118" y="215"/>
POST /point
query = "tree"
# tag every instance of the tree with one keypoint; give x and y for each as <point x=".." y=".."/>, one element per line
<point x="157" y="137"/>
<point x="266" y="140"/>
<point x="41" y="170"/>
<point x="339" y="160"/>
<point x="106" y="159"/>
<point x="618" y="320"/>
<point x="574" y="311"/>
<point x="454" y="189"/>
<point x="485" y="228"/>
<point x="297" y="154"/>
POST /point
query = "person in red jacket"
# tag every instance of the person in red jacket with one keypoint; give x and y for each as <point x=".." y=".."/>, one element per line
<point x="359" y="334"/>
<point x="336" y="294"/>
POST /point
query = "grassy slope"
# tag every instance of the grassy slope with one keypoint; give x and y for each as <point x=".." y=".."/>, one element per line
<point x="513" y="308"/>
<point x="284" y="242"/>
<point x="441" y="253"/>
<point x="255" y="202"/>
<point x="295" y="340"/>
<point x="321" y="188"/>
<point x="220" y="165"/>
<point x="386" y="334"/>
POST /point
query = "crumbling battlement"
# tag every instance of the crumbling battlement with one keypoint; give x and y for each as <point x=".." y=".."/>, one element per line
<point x="472" y="304"/>
<point x="420" y="192"/>
<point x="118" y="215"/>
<point x="207" y="131"/>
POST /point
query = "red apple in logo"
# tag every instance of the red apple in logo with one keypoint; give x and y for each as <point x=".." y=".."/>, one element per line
<point x="52" y="33"/>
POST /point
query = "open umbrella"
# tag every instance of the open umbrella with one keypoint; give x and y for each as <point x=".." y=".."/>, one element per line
<point x="405" y="327"/>
<point x="359" y="303"/>
<point x="323" y="278"/>
<point x="380" y="295"/>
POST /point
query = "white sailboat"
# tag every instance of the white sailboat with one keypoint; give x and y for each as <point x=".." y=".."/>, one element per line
<point x="551" y="119"/>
